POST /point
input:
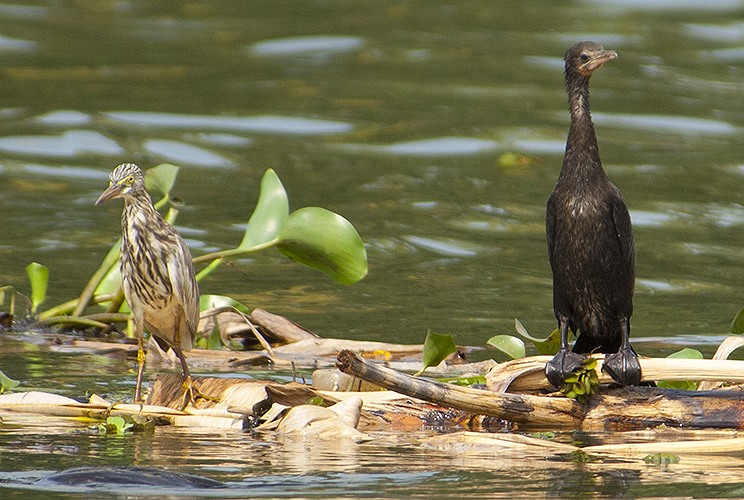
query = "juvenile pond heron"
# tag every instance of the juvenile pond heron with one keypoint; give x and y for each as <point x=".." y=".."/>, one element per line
<point x="157" y="273"/>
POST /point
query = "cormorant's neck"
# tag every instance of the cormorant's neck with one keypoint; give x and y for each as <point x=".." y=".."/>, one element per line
<point x="582" y="153"/>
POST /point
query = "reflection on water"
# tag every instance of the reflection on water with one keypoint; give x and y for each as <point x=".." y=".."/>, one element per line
<point x="394" y="115"/>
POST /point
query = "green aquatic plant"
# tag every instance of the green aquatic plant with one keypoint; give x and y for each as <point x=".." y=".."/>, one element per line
<point x="581" y="383"/>
<point x="661" y="459"/>
<point x="436" y="348"/>
<point x="7" y="383"/>
<point x="514" y="347"/>
<point x="688" y="385"/>
<point x="115" y="425"/>
<point x="38" y="275"/>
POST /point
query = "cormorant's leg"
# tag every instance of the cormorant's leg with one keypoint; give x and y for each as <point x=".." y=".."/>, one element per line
<point x="623" y="366"/>
<point x="566" y="361"/>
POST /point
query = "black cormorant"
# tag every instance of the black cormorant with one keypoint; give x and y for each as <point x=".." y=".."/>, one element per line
<point x="590" y="241"/>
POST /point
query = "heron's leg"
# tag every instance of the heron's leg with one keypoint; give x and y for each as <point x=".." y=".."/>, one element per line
<point x="566" y="361"/>
<point x="139" y="329"/>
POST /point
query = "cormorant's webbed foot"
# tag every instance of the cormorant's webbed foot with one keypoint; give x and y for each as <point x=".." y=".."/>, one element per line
<point x="623" y="366"/>
<point x="558" y="368"/>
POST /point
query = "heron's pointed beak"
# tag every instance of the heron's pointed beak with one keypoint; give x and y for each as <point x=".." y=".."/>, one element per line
<point x="113" y="191"/>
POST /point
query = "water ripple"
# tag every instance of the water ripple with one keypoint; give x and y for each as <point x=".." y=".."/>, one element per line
<point x="180" y="152"/>
<point x="272" y="124"/>
<point x="440" y="146"/>
<point x="452" y="249"/>
<point x="306" y="45"/>
<point x="670" y="124"/>
<point x="67" y="117"/>
<point x="68" y="144"/>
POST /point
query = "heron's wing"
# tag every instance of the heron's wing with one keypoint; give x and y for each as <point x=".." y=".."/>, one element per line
<point x="185" y="287"/>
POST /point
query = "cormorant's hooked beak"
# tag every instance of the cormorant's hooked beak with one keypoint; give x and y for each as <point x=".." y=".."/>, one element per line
<point x="597" y="60"/>
<point x="113" y="191"/>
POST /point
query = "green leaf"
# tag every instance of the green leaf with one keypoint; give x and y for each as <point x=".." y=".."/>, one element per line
<point x="161" y="178"/>
<point x="547" y="346"/>
<point x="737" y="326"/>
<point x="7" y="382"/>
<point x="316" y="400"/>
<point x="464" y="381"/>
<point x="211" y="301"/>
<point x="115" y="425"/>
<point x="272" y="210"/>
<point x="111" y="282"/>
<point x="215" y="340"/>
<point x="686" y="353"/>
<point x="326" y="241"/>
<point x="39" y="277"/>
<point x="436" y="348"/>
<point x="686" y="385"/>
<point x="662" y="459"/>
<point x="511" y="346"/>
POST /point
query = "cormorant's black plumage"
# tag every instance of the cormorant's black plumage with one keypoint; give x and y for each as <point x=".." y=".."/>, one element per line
<point x="590" y="241"/>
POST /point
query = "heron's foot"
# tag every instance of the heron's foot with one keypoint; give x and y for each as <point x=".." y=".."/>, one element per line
<point x="623" y="367"/>
<point x="191" y="394"/>
<point x="558" y="368"/>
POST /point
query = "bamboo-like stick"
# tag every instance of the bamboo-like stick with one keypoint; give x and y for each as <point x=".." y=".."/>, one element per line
<point x="527" y="374"/>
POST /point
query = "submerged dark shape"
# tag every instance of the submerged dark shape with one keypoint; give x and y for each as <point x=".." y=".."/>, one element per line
<point x="130" y="476"/>
<point x="590" y="241"/>
<point x="157" y="273"/>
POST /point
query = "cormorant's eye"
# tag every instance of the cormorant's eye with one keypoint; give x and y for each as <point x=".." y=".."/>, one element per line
<point x="584" y="56"/>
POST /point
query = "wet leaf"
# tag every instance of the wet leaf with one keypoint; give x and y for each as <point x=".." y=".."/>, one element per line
<point x="114" y="425"/>
<point x="511" y="346"/>
<point x="161" y="178"/>
<point x="686" y="385"/>
<point x="212" y="301"/>
<point x="7" y="382"/>
<point x="215" y="340"/>
<point x="38" y="275"/>
<point x="661" y="459"/>
<point x="270" y="214"/>
<point x="325" y="241"/>
<point x="547" y="346"/>
<point x="737" y="325"/>
<point x="436" y="348"/>
<point x="581" y="383"/>
<point x="464" y="381"/>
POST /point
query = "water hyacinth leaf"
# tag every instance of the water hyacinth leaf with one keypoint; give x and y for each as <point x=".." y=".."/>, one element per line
<point x="161" y="178"/>
<point x="272" y="210"/>
<point x="686" y="385"/>
<point x="215" y="340"/>
<point x="737" y="326"/>
<point x="38" y="275"/>
<point x="7" y="382"/>
<point x="211" y="301"/>
<point x="111" y="282"/>
<point x="509" y="345"/>
<point x="325" y="241"/>
<point x="436" y="348"/>
<point x="547" y="346"/>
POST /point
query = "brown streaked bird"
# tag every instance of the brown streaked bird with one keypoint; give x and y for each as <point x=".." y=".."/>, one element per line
<point x="157" y="273"/>
<point x="590" y="241"/>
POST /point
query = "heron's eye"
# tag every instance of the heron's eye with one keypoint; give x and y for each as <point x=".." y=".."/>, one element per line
<point x="130" y="179"/>
<point x="584" y="56"/>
